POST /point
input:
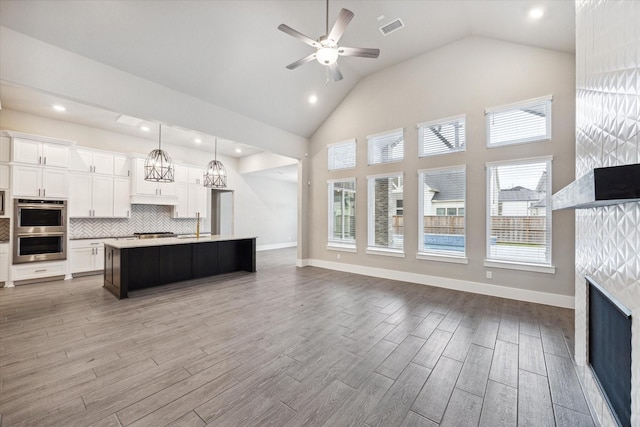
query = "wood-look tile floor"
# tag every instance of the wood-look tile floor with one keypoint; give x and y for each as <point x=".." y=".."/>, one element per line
<point x="283" y="347"/>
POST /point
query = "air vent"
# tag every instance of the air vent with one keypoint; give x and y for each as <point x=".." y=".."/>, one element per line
<point x="391" y="27"/>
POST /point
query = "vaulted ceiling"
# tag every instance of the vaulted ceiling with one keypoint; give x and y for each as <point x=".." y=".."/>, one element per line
<point x="230" y="53"/>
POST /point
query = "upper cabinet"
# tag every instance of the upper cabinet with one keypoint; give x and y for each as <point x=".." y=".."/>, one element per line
<point x="39" y="165"/>
<point x="33" y="152"/>
<point x="150" y="192"/>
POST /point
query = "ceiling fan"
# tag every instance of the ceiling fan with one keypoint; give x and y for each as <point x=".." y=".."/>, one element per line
<point x="327" y="49"/>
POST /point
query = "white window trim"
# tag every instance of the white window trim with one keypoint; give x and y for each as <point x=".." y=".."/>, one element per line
<point x="522" y="266"/>
<point x="519" y="265"/>
<point x="330" y="241"/>
<point x="442" y="258"/>
<point x="519" y="104"/>
<point x="446" y="120"/>
<point x="368" y="138"/>
<point x="515" y="106"/>
<point x="340" y="144"/>
<point x="342" y="247"/>
<point x="375" y="250"/>
<point x="429" y="255"/>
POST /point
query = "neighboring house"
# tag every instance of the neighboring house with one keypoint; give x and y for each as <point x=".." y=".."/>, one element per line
<point x="521" y="201"/>
<point x="444" y="194"/>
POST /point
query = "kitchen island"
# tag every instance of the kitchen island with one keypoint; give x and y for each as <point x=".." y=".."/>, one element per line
<point x="137" y="264"/>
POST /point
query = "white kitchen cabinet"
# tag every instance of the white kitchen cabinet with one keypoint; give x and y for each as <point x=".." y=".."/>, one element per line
<point x="192" y="199"/>
<point x="121" y="166"/>
<point x="4" y="177"/>
<point x="197" y="200"/>
<point x="181" y="174"/>
<point x="35" y="181"/>
<point x="195" y="176"/>
<point x="121" y="197"/>
<point x="33" y="152"/>
<point x="86" y="255"/>
<point x="4" y="262"/>
<point x="150" y="192"/>
<point x="91" y="195"/>
<point x="38" y="270"/>
<point x="99" y="162"/>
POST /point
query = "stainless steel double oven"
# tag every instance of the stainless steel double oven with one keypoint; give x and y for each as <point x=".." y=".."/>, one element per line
<point x="40" y="230"/>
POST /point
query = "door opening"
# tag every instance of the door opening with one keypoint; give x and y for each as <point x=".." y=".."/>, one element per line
<point x="222" y="202"/>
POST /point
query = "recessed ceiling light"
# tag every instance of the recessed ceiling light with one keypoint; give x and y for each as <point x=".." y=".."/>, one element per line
<point x="536" y="13"/>
<point x="59" y="107"/>
<point x="197" y="140"/>
<point x="238" y="150"/>
<point x="144" y="128"/>
<point x="313" y="99"/>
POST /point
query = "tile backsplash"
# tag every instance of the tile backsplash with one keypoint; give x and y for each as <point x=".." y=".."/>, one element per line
<point x="5" y="229"/>
<point x="144" y="219"/>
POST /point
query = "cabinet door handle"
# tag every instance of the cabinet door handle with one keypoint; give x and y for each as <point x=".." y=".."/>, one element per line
<point x="40" y="271"/>
<point x="45" y="160"/>
<point x="39" y="160"/>
<point x="127" y="214"/>
<point x="44" y="192"/>
<point x="39" y="192"/>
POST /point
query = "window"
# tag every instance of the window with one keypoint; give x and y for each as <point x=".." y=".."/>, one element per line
<point x="519" y="211"/>
<point x="342" y="155"/>
<point x="386" y="147"/>
<point x="441" y="211"/>
<point x="441" y="136"/>
<point x="342" y="212"/>
<point x="385" y="224"/>
<point x="526" y="121"/>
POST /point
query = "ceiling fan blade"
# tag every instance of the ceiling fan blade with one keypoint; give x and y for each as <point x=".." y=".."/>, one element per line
<point x="293" y="33"/>
<point x="335" y="72"/>
<point x="362" y="52"/>
<point x="302" y="61"/>
<point x="344" y="18"/>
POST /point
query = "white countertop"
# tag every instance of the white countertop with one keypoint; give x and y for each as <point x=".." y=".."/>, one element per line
<point x="168" y="241"/>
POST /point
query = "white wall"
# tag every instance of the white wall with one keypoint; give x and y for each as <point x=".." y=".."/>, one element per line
<point x="464" y="77"/>
<point x="252" y="196"/>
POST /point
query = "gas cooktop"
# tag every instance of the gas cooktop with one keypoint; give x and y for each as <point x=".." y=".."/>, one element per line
<point x="155" y="235"/>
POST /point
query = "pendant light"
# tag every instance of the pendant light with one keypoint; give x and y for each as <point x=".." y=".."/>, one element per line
<point x="158" y="166"/>
<point x="215" y="175"/>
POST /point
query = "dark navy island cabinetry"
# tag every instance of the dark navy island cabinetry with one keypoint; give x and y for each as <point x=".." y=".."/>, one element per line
<point x="137" y="264"/>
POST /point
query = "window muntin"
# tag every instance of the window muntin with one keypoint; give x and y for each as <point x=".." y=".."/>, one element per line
<point x="442" y="136"/>
<point x="386" y="147"/>
<point x="527" y="121"/>
<point x="441" y="211"/>
<point x="342" y="155"/>
<point x="386" y="227"/>
<point x="519" y="211"/>
<point x="342" y="212"/>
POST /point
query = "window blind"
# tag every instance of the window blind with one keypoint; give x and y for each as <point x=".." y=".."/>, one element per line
<point x="520" y="123"/>
<point x="519" y="212"/>
<point x="441" y="136"/>
<point x="342" y="155"/>
<point x="386" y="147"/>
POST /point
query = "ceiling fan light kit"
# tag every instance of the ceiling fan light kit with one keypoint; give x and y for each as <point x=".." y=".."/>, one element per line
<point x="327" y="49"/>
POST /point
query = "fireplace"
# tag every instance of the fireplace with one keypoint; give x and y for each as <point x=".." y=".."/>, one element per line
<point x="610" y="350"/>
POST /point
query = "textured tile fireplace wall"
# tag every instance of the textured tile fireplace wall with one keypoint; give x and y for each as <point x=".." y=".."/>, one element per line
<point x="607" y="125"/>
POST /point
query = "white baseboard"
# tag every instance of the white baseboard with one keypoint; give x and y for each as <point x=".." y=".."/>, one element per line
<point x="564" y="301"/>
<point x="302" y="262"/>
<point x="276" y="246"/>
